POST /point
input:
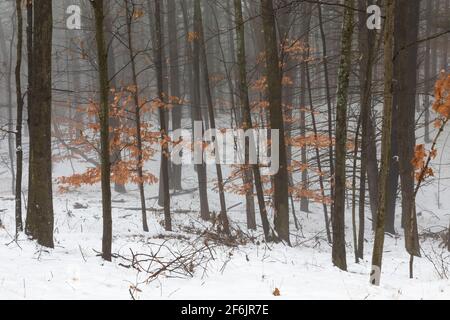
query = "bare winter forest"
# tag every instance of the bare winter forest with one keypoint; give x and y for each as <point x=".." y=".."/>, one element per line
<point x="224" y="149"/>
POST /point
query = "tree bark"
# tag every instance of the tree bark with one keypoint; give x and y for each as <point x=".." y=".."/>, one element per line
<point x="338" y="220"/>
<point x="245" y="103"/>
<point x="198" y="29"/>
<point x="377" y="256"/>
<point x="174" y="83"/>
<point x="19" y="118"/>
<point x="114" y="122"/>
<point x="102" y="58"/>
<point x="162" y="116"/>
<point x="40" y="199"/>
<point x="367" y="43"/>
<point x="137" y="112"/>
<point x="197" y="113"/>
<point x="406" y="30"/>
<point x="274" y="93"/>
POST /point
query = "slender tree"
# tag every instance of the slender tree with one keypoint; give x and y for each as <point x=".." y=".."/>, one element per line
<point x="198" y="29"/>
<point x="338" y="218"/>
<point x="197" y="117"/>
<point x="162" y="115"/>
<point x="377" y="255"/>
<point x="102" y="61"/>
<point x="174" y="84"/>
<point x="19" y="117"/>
<point x="245" y="102"/>
<point x="130" y="11"/>
<point x="274" y="94"/>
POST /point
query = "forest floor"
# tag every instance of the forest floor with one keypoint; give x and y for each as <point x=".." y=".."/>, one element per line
<point x="205" y="267"/>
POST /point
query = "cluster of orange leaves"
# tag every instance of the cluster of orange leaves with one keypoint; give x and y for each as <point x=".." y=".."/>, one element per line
<point x="193" y="36"/>
<point x="123" y="138"/>
<point x="442" y="96"/>
<point x="312" y="140"/>
<point x="419" y="162"/>
<point x="442" y="107"/>
<point x="261" y="85"/>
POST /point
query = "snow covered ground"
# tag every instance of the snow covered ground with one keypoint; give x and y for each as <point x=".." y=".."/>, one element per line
<point x="73" y="270"/>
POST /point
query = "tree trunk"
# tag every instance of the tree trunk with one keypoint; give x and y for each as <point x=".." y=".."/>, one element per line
<point x="427" y="75"/>
<point x="328" y="101"/>
<point x="162" y="116"/>
<point x="102" y="58"/>
<point x="338" y="220"/>
<point x="319" y="161"/>
<point x="10" y="125"/>
<point x="247" y="176"/>
<point x="407" y="28"/>
<point x="198" y="29"/>
<point x="245" y="103"/>
<point x="367" y="43"/>
<point x="274" y="93"/>
<point x="377" y="256"/>
<point x="174" y="83"/>
<point x="304" y="33"/>
<point x="197" y="113"/>
<point x="40" y="199"/>
<point x="137" y="112"/>
<point x="19" y="116"/>
<point x="116" y="155"/>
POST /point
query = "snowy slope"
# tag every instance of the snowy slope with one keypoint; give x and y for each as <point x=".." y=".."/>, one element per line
<point x="73" y="269"/>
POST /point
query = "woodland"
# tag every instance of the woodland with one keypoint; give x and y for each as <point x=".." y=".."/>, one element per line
<point x="349" y="101"/>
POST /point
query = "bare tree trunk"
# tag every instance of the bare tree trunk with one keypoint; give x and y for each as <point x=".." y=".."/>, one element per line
<point x="392" y="185"/>
<point x="274" y="93"/>
<point x="247" y="176"/>
<point x="445" y="57"/>
<point x="245" y="102"/>
<point x="427" y="80"/>
<point x="355" y="164"/>
<point x="165" y="91"/>
<point x="137" y="112"/>
<point x="406" y="30"/>
<point x="367" y="43"/>
<point x="162" y="116"/>
<point x="377" y="256"/>
<point x="9" y="56"/>
<point x="338" y="220"/>
<point x="174" y="83"/>
<point x="102" y="57"/>
<point x="319" y="162"/>
<point x="197" y="113"/>
<point x="304" y="32"/>
<point x="116" y="155"/>
<point x="19" y="116"/>
<point x="198" y="29"/>
<point x="40" y="199"/>
<point x="328" y="101"/>
<point x="30" y="221"/>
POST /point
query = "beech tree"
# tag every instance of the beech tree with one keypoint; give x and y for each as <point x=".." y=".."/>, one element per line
<point x="386" y="152"/>
<point x="102" y="59"/>
<point x="39" y="223"/>
<point x="274" y="94"/>
<point x="245" y="104"/>
<point x="338" y="218"/>
<point x="19" y="119"/>
<point x="162" y="116"/>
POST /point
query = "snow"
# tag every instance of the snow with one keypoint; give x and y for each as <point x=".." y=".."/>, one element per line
<point x="73" y="270"/>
